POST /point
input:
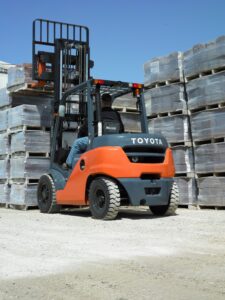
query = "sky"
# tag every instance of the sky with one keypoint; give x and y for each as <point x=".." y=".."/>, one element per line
<point x="123" y="34"/>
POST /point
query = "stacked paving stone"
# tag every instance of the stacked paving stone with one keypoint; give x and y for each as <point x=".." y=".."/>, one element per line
<point x="204" y="70"/>
<point x="24" y="139"/>
<point x="126" y="106"/>
<point x="4" y="137"/>
<point x="167" y="113"/>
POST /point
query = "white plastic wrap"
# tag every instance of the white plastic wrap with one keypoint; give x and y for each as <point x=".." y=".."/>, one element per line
<point x="4" y="97"/>
<point x="26" y="167"/>
<point x="4" y="168"/>
<point x="174" y="128"/>
<point x="208" y="124"/>
<point x="187" y="190"/>
<point x="4" y="193"/>
<point x="204" y="57"/>
<point x="29" y="115"/>
<point x="164" y="68"/>
<point x="211" y="191"/>
<point x="183" y="159"/>
<point x="4" y="144"/>
<point x="3" y="119"/>
<point x="207" y="90"/>
<point x="131" y="122"/>
<point x="169" y="98"/>
<point x="19" y="75"/>
<point x="30" y="141"/>
<point x="126" y="101"/>
<point x="210" y="158"/>
<point x="23" y="194"/>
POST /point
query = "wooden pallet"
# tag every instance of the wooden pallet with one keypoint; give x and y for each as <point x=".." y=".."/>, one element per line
<point x="26" y="128"/>
<point x="24" y="181"/>
<point x="182" y="143"/>
<point x="20" y="207"/>
<point x="188" y="206"/>
<point x="28" y="154"/>
<point x="125" y="109"/>
<point x="209" y="141"/>
<point x="163" y="83"/>
<point x="204" y="73"/>
<point x="190" y="174"/>
<point x="178" y="112"/>
<point x="207" y="107"/>
<point x="213" y="207"/>
<point x="210" y="174"/>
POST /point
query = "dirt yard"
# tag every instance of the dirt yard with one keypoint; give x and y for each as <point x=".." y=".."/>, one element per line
<point x="137" y="256"/>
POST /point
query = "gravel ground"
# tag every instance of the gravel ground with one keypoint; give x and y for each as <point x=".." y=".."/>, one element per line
<point x="137" y="256"/>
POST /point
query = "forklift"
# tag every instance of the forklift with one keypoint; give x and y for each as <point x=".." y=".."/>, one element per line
<point x="118" y="168"/>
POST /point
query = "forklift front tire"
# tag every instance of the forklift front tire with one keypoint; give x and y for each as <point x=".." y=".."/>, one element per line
<point x="46" y="195"/>
<point x="104" y="197"/>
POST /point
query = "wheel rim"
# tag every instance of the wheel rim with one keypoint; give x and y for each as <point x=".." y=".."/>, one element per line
<point x="45" y="193"/>
<point x="100" y="200"/>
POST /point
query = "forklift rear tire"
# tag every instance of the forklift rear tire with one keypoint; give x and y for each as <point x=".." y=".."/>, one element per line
<point x="170" y="209"/>
<point x="104" y="197"/>
<point x="46" y="195"/>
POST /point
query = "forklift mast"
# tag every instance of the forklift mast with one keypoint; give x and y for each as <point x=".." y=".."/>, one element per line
<point x="61" y="56"/>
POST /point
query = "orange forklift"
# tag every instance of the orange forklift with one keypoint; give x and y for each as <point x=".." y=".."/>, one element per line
<point x="117" y="169"/>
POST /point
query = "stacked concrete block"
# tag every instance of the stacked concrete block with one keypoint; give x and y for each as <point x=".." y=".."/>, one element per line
<point x="127" y="107"/>
<point x="4" y="149"/>
<point x="19" y="76"/>
<point x="29" y="152"/>
<point x="165" y="100"/>
<point x="204" y="59"/>
<point x="163" y="70"/>
<point x="167" y="113"/>
<point x="205" y="85"/>
<point x="24" y="143"/>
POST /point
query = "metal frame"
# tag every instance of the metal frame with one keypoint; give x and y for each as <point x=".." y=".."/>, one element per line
<point x="88" y="89"/>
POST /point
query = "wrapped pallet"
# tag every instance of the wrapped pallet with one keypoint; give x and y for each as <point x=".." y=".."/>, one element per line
<point x="162" y="69"/>
<point x="4" y="144"/>
<point x="174" y="128"/>
<point x="206" y="91"/>
<point x="19" y="76"/>
<point x="3" y="120"/>
<point x="187" y="191"/>
<point x="23" y="194"/>
<point x="204" y="57"/>
<point x="210" y="158"/>
<point x="29" y="115"/>
<point x="211" y="191"/>
<point x="4" y="168"/>
<point x="4" y="192"/>
<point x="208" y="124"/>
<point x="184" y="160"/>
<point x="165" y="99"/>
<point x="125" y="102"/>
<point x="4" y="98"/>
<point x="28" y="167"/>
<point x="34" y="141"/>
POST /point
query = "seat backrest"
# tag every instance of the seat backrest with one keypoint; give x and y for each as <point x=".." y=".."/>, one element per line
<point x="110" y="127"/>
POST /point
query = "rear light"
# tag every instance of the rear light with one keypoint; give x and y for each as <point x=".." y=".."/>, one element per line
<point x="137" y="85"/>
<point x="99" y="81"/>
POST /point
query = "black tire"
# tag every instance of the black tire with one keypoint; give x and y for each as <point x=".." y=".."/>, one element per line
<point x="104" y="197"/>
<point x="46" y="195"/>
<point x="170" y="209"/>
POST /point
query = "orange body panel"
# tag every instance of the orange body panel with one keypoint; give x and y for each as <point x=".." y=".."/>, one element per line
<point x="110" y="161"/>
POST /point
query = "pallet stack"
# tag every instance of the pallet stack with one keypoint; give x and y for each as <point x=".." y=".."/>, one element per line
<point x="167" y="113"/>
<point x="204" y="70"/>
<point x="24" y="139"/>
<point x="4" y="137"/>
